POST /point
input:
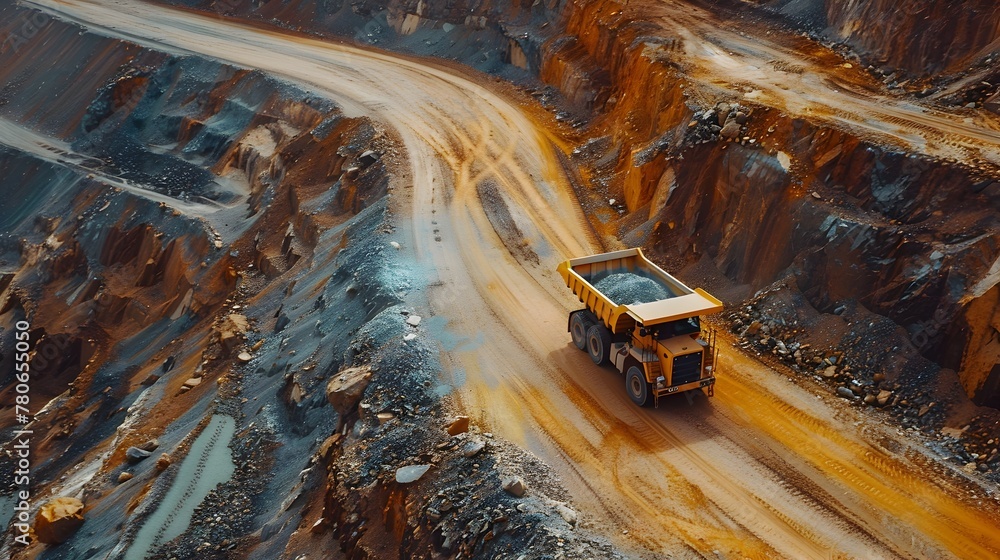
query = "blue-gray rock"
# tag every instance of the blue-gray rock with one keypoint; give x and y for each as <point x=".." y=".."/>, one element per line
<point x="411" y="473"/>
<point x="134" y="454"/>
<point x="845" y="392"/>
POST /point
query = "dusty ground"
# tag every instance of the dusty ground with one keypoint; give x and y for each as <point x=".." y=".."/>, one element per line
<point x="786" y="71"/>
<point x="766" y="468"/>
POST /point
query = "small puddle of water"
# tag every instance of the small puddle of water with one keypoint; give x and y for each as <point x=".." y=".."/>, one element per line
<point x="208" y="464"/>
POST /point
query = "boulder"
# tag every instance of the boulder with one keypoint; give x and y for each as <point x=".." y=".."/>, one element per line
<point x="883" y="397"/>
<point x="163" y="462"/>
<point x="134" y="454"/>
<point x="58" y="520"/>
<point x="564" y="511"/>
<point x="473" y="447"/>
<point x="150" y="445"/>
<point x="723" y="111"/>
<point x="411" y="473"/>
<point x="459" y="426"/>
<point x="368" y="157"/>
<point x="328" y="446"/>
<point x="845" y="393"/>
<point x="731" y="130"/>
<point x="124" y="477"/>
<point x="231" y="331"/>
<point x="515" y="485"/>
<point x="281" y="323"/>
<point x="345" y="389"/>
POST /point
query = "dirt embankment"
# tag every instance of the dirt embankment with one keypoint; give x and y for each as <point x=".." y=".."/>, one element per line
<point x="708" y="173"/>
<point x="686" y="210"/>
<point x="744" y="195"/>
<point x="751" y="157"/>
<point x="707" y="165"/>
<point x="192" y="240"/>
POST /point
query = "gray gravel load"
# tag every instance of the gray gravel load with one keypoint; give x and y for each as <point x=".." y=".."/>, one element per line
<point x="625" y="288"/>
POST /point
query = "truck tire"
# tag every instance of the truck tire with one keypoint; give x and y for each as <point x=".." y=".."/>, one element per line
<point x="578" y="327"/>
<point x="599" y="344"/>
<point x="638" y="389"/>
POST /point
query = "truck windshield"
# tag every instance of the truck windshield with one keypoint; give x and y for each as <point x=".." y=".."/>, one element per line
<point x="690" y="325"/>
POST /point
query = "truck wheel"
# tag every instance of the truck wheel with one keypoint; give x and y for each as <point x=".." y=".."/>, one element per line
<point x="637" y="387"/>
<point x="578" y="327"/>
<point x="599" y="344"/>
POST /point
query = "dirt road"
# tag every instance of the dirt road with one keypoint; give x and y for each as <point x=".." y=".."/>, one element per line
<point x="792" y="73"/>
<point x="764" y="470"/>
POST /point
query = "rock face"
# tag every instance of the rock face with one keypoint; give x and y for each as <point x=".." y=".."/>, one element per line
<point x="920" y="36"/>
<point x="135" y="454"/>
<point x="126" y="280"/>
<point x="345" y="389"/>
<point x="231" y="331"/>
<point x="58" y="520"/>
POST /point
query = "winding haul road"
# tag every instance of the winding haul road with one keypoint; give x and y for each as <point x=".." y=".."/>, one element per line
<point x="763" y="470"/>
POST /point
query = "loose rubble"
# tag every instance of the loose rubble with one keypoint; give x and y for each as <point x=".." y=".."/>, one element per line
<point x="626" y="288"/>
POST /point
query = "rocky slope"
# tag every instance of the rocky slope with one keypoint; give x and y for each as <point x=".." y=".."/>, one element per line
<point x="231" y="254"/>
<point x="918" y="37"/>
<point x="748" y="196"/>
<point x="760" y="195"/>
<point x="199" y="250"/>
<point x="707" y="178"/>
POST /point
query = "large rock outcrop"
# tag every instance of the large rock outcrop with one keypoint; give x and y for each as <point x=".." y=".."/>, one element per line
<point x="58" y="520"/>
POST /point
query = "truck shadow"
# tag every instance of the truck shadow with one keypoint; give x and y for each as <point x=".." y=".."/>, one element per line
<point x="600" y="390"/>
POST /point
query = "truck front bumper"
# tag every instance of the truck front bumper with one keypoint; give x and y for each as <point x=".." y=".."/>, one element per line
<point x="708" y="383"/>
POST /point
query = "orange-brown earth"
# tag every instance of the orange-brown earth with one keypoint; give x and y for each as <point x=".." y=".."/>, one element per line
<point x="770" y="467"/>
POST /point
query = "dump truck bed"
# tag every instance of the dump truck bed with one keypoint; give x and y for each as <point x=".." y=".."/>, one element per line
<point x="611" y="270"/>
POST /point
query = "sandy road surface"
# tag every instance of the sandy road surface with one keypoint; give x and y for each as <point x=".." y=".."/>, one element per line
<point x="764" y="470"/>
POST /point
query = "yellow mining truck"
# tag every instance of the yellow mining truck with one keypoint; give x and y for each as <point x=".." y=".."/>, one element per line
<point x="644" y="322"/>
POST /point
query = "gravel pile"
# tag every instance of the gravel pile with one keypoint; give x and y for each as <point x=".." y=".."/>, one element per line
<point x="625" y="288"/>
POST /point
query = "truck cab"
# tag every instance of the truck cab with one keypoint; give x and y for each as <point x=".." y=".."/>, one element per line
<point x="676" y="356"/>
